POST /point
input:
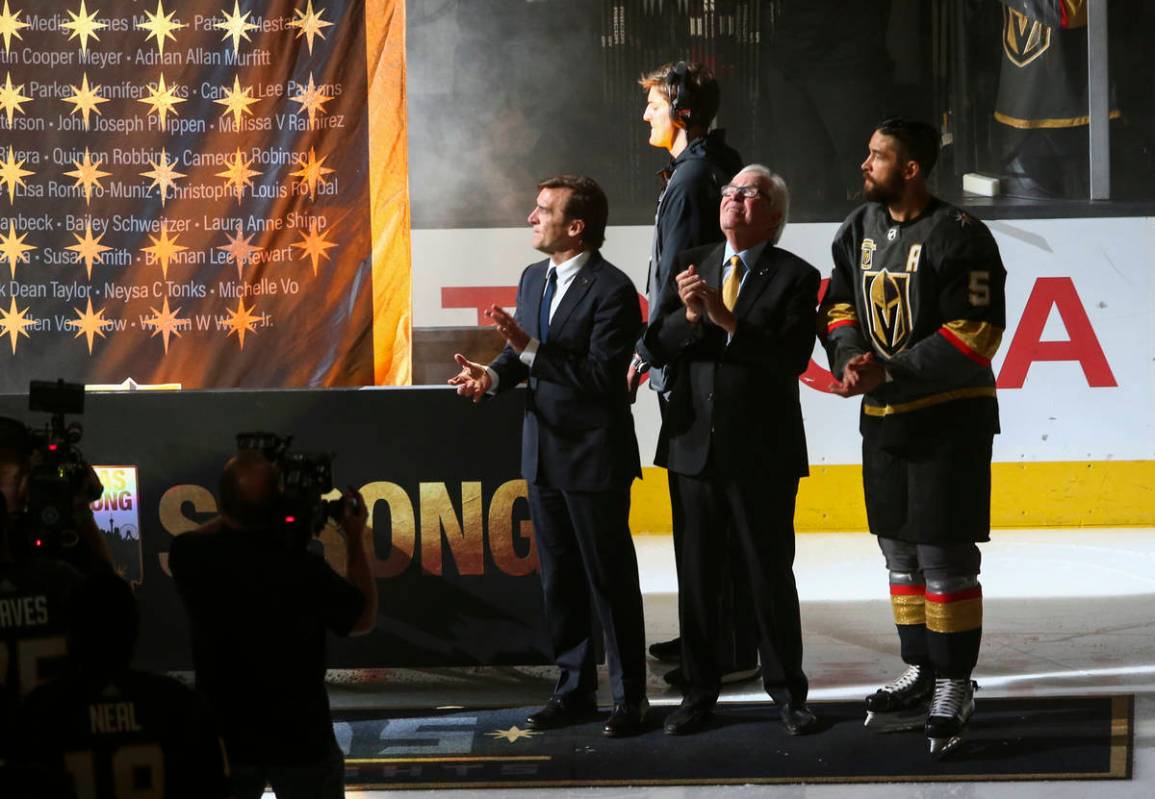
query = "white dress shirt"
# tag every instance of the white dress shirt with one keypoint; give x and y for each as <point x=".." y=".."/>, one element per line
<point x="566" y="272"/>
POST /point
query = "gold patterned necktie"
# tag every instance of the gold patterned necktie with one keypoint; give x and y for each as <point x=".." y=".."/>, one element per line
<point x="732" y="282"/>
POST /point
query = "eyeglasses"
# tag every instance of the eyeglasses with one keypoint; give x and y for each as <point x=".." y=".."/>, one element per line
<point x="741" y="192"/>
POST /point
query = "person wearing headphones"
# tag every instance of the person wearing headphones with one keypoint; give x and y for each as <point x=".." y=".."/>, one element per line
<point x="681" y="102"/>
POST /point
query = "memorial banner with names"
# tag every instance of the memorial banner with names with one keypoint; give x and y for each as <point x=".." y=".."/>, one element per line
<point x="190" y="191"/>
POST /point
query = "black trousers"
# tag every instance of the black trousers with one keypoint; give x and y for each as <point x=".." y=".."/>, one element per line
<point x="759" y="515"/>
<point x="587" y="557"/>
<point x="737" y="639"/>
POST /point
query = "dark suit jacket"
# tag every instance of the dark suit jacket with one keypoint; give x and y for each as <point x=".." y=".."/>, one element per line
<point x="578" y="432"/>
<point x="734" y="407"/>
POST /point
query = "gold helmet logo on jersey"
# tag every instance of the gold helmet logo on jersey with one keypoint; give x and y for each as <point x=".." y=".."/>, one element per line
<point x="889" y="296"/>
<point x="868" y="248"/>
<point x="1024" y="39"/>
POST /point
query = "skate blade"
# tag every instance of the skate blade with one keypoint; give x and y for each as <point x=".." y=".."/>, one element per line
<point x="941" y="747"/>
<point x="895" y="721"/>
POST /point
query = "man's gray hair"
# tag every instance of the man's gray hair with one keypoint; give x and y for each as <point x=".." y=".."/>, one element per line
<point x="779" y="194"/>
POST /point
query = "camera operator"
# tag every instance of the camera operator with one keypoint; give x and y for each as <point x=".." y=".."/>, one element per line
<point x="85" y="548"/>
<point x="34" y="591"/>
<point x="105" y="727"/>
<point x="259" y="606"/>
<point x="35" y="594"/>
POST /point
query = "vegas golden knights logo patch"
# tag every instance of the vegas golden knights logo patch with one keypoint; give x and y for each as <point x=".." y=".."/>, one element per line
<point x="889" y="322"/>
<point x="868" y="248"/>
<point x="1024" y="39"/>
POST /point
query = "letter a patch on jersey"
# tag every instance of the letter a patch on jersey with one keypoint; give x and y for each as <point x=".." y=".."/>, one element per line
<point x="868" y="248"/>
<point x="889" y="321"/>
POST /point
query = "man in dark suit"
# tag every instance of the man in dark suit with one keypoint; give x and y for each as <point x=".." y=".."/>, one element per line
<point x="571" y="339"/>
<point x="738" y="321"/>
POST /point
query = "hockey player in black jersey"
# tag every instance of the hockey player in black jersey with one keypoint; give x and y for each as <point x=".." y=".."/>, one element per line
<point x="913" y="315"/>
<point x="34" y="592"/>
<point x="112" y="731"/>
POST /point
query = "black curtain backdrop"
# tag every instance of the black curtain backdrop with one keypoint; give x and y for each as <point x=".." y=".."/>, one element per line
<point x="452" y="542"/>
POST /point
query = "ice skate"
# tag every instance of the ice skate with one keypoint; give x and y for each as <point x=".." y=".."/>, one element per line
<point x="903" y="703"/>
<point x="950" y="710"/>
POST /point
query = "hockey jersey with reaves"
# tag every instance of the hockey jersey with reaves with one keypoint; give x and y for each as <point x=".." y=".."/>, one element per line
<point x="34" y="601"/>
<point x="926" y="296"/>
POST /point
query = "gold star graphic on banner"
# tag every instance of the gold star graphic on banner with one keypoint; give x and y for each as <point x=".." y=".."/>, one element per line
<point x="13" y="322"/>
<point x="11" y="99"/>
<point x="312" y="173"/>
<point x="309" y="24"/>
<point x="512" y="734"/>
<point x="241" y="321"/>
<point x="13" y="249"/>
<point x="239" y="250"/>
<point x="312" y="100"/>
<point x="165" y="322"/>
<point x="85" y="99"/>
<point x="238" y="175"/>
<point x="160" y="26"/>
<point x="12" y="174"/>
<point x="161" y="99"/>
<point x="163" y="249"/>
<point x="10" y="25"/>
<point x="83" y="25"/>
<point x="236" y="25"/>
<point x="315" y="245"/>
<point x="163" y="175"/>
<point x="87" y="174"/>
<point x="89" y="324"/>
<point x="88" y="249"/>
<point x="237" y="101"/>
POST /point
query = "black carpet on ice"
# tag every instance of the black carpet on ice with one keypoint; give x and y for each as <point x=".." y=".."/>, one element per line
<point x="1056" y="738"/>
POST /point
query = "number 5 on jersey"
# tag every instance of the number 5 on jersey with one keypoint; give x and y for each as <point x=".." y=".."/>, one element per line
<point x="980" y="288"/>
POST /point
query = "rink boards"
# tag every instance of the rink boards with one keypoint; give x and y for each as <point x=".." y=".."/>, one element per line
<point x="1076" y="368"/>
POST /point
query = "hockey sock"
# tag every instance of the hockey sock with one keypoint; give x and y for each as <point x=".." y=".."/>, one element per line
<point x="954" y="624"/>
<point x="907" y="593"/>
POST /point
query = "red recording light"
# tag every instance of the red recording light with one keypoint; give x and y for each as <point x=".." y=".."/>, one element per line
<point x="290" y="519"/>
<point x="39" y="542"/>
<point x="52" y="447"/>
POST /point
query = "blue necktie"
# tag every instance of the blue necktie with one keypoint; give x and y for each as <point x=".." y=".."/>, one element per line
<point x="546" y="302"/>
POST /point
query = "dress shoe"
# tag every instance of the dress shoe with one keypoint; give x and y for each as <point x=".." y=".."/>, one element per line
<point x="562" y="713"/>
<point x="676" y="678"/>
<point x="798" y="719"/>
<point x="737" y="674"/>
<point x="688" y="718"/>
<point x="627" y="719"/>
<point x="667" y="651"/>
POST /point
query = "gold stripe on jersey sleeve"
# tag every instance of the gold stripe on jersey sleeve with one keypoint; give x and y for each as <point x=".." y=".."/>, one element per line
<point x="926" y="402"/>
<point x="836" y="314"/>
<point x="1076" y="13"/>
<point x="982" y="337"/>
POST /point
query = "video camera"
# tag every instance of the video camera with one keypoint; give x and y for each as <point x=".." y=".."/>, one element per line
<point x="305" y="477"/>
<point x="59" y="479"/>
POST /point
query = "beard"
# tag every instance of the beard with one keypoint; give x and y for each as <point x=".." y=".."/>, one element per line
<point x="882" y="192"/>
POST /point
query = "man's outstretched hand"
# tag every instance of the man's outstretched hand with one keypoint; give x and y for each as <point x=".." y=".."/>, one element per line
<point x="472" y="381"/>
<point x="508" y="327"/>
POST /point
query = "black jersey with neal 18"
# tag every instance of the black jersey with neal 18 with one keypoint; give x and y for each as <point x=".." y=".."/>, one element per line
<point x="926" y="296"/>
